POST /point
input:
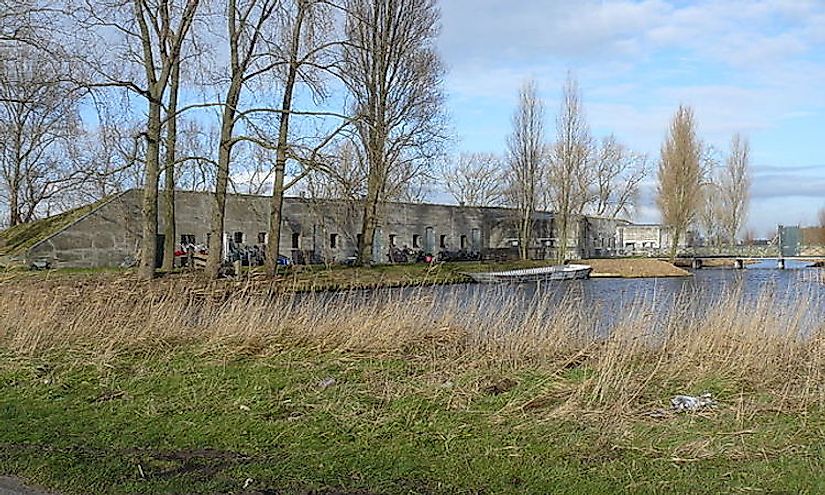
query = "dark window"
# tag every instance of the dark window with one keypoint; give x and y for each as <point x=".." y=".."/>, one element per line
<point x="392" y="240"/>
<point x="261" y="237"/>
<point x="296" y="239"/>
<point x="187" y="239"/>
<point x="443" y="241"/>
<point x="333" y="241"/>
<point x="464" y="242"/>
<point x="238" y="238"/>
<point x="416" y="241"/>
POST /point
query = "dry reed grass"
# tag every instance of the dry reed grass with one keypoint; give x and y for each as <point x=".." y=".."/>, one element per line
<point x="745" y="347"/>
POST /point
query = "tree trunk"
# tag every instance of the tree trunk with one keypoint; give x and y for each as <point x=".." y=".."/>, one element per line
<point x="524" y="234"/>
<point x="562" y="252"/>
<point x="148" y="252"/>
<point x="169" y="173"/>
<point x="369" y="222"/>
<point x="216" y="254"/>
<point x="277" y="203"/>
<point x="674" y="243"/>
<point x="14" y="207"/>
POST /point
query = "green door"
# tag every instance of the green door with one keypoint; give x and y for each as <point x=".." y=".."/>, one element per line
<point x="429" y="241"/>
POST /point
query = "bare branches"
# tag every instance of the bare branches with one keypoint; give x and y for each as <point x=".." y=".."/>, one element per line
<point x="527" y="154"/>
<point x="680" y="176"/>
<point x="618" y="172"/>
<point x="394" y="75"/>
<point x="476" y="179"/>
<point x="39" y="121"/>
<point x="735" y="186"/>
<point x="570" y="175"/>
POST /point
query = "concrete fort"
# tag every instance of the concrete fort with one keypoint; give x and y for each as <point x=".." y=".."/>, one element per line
<point x="317" y="230"/>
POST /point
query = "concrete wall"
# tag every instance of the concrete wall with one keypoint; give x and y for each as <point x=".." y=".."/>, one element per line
<point x="601" y="237"/>
<point x="111" y="234"/>
<point x="104" y="237"/>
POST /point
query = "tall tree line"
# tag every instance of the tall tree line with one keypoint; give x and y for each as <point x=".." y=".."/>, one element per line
<point x="569" y="173"/>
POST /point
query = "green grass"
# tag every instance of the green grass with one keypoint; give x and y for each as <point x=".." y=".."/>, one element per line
<point x="181" y="422"/>
<point x="322" y="278"/>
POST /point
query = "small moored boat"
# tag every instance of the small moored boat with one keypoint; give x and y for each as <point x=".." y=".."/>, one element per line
<point x="542" y="274"/>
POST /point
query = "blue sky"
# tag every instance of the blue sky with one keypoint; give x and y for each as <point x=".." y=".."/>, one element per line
<point x="755" y="67"/>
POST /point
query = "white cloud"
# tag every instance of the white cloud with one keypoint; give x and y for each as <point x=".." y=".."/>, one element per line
<point x="752" y="66"/>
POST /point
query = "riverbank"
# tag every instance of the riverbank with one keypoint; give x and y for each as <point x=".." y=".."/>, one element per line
<point x="314" y="278"/>
<point x="325" y="278"/>
<point x="634" y="268"/>
<point x="109" y="390"/>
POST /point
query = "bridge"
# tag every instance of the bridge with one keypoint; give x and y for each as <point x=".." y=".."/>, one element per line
<point x="786" y="246"/>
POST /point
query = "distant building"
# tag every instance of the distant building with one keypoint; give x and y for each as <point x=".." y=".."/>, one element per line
<point x="643" y="238"/>
<point x="108" y="234"/>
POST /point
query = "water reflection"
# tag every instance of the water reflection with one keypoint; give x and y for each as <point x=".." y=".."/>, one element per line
<point x="795" y="292"/>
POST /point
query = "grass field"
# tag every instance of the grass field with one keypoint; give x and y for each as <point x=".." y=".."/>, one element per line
<point x="110" y="386"/>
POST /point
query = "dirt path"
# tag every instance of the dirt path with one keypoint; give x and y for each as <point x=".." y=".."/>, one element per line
<point x="16" y="486"/>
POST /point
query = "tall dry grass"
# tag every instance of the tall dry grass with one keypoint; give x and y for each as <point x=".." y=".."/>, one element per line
<point x="604" y="362"/>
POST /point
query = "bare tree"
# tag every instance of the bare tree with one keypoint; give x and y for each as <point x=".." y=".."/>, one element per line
<point x="475" y="179"/>
<point x="679" y="188"/>
<point x="734" y="188"/>
<point x="821" y="217"/>
<point x="394" y="76"/>
<point x="526" y="158"/>
<point x="305" y="25"/>
<point x="152" y="33"/>
<point x="169" y="167"/>
<point x="711" y="213"/>
<point x="39" y="121"/>
<point x="344" y="177"/>
<point x="198" y="144"/>
<point x="27" y="21"/>
<point x="248" y="23"/>
<point x="570" y="173"/>
<point x="114" y="150"/>
<point x="618" y="173"/>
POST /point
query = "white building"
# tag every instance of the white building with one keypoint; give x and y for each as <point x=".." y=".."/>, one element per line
<point x="641" y="238"/>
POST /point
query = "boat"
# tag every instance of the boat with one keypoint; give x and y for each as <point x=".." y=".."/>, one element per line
<point x="542" y="274"/>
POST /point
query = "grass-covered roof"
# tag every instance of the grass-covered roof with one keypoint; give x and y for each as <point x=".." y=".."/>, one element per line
<point x="16" y="240"/>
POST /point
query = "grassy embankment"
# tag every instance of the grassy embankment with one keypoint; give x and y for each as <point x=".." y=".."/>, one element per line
<point x="302" y="278"/>
<point x="110" y="386"/>
<point x="321" y="278"/>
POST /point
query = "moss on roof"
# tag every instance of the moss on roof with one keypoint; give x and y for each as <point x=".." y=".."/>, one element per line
<point x="16" y="240"/>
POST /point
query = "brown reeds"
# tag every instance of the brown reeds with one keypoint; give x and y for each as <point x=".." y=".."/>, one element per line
<point x="742" y="346"/>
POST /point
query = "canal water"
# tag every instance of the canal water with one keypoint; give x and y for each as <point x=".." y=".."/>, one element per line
<point x="795" y="295"/>
<point x="797" y="292"/>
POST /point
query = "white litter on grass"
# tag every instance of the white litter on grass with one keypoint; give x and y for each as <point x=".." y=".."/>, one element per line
<point x="326" y="382"/>
<point x="688" y="403"/>
<point x="247" y="483"/>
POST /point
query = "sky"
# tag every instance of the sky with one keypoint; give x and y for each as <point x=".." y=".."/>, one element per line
<point x="754" y="67"/>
